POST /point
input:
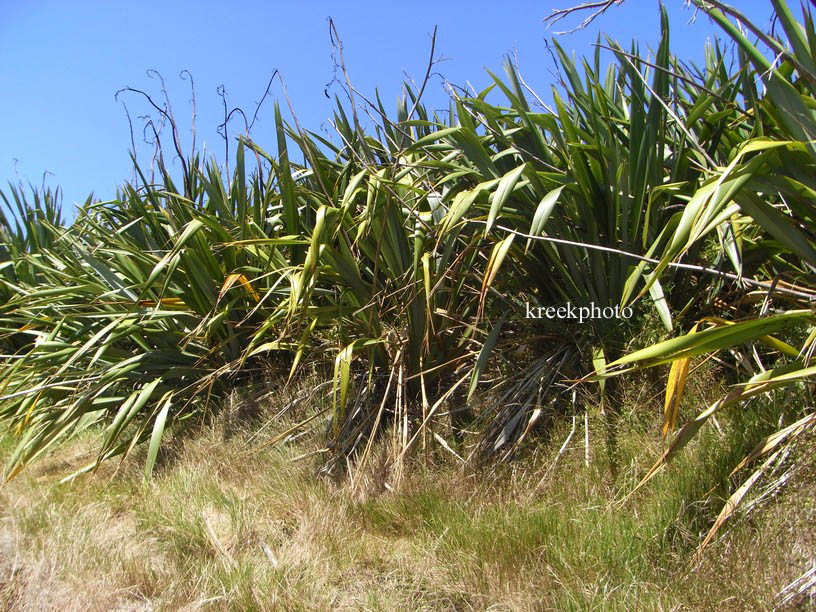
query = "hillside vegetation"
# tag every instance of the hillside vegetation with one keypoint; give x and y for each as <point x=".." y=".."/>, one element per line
<point x="387" y="283"/>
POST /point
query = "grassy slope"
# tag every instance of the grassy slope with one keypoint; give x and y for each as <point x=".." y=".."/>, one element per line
<point x="226" y="524"/>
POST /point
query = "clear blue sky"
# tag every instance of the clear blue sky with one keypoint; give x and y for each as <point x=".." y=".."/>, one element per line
<point x="62" y="62"/>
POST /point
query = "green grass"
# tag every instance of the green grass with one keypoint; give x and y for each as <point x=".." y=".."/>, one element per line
<point x="231" y="525"/>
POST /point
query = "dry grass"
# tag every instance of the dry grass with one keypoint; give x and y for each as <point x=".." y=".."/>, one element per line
<point x="226" y="524"/>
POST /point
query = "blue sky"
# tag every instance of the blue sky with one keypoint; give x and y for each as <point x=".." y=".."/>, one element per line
<point x="63" y="62"/>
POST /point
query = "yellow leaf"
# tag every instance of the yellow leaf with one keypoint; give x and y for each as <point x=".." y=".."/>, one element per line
<point x="234" y="278"/>
<point x="178" y="302"/>
<point x="674" y="391"/>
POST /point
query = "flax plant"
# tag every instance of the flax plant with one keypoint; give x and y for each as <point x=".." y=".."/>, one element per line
<point x="759" y="203"/>
<point x="400" y="256"/>
<point x="140" y="312"/>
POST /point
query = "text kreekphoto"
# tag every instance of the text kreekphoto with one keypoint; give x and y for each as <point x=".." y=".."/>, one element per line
<point x="581" y="313"/>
